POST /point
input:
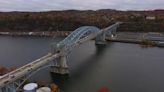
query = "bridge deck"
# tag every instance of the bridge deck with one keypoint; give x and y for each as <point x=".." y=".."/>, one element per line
<point x="20" y="72"/>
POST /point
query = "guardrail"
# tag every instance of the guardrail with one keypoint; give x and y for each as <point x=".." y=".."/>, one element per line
<point x="22" y="71"/>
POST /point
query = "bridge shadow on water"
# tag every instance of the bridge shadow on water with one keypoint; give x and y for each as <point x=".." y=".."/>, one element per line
<point x="82" y="69"/>
<point x="89" y="62"/>
<point x="92" y="60"/>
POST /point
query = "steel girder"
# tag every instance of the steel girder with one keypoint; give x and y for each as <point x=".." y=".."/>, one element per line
<point x="74" y="37"/>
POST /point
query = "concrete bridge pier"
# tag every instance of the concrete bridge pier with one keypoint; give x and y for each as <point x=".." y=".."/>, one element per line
<point x="61" y="66"/>
<point x="114" y="31"/>
<point x="100" y="39"/>
<point x="60" y="73"/>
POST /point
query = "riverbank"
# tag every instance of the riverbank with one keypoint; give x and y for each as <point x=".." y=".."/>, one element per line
<point x="40" y="34"/>
<point x="147" y="39"/>
<point x="143" y="38"/>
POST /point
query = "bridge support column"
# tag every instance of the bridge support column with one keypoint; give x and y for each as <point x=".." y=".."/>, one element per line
<point x="61" y="66"/>
<point x="60" y="72"/>
<point x="100" y="39"/>
<point x="114" y="31"/>
<point x="111" y="34"/>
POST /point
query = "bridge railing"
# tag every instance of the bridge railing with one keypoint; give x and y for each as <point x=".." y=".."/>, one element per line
<point x="22" y="71"/>
<point x="112" y="26"/>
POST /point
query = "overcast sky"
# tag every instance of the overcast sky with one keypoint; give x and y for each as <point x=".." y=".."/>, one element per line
<point x="44" y="5"/>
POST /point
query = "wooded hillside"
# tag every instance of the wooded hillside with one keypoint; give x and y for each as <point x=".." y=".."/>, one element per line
<point x="71" y="19"/>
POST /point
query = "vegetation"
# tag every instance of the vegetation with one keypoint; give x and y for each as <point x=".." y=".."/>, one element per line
<point x="71" y="19"/>
<point x="142" y="27"/>
<point x="148" y="43"/>
<point x="4" y="70"/>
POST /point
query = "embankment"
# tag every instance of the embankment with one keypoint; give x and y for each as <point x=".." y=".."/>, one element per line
<point x="40" y="34"/>
<point x="145" y="39"/>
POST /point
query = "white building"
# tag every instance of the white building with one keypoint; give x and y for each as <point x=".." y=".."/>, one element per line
<point x="150" y="17"/>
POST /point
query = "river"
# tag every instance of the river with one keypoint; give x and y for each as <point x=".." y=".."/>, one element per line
<point x="121" y="67"/>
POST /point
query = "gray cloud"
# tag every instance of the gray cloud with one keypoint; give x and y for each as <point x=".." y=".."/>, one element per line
<point x="44" y="5"/>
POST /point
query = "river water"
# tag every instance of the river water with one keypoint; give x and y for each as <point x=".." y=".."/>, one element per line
<point x="120" y="67"/>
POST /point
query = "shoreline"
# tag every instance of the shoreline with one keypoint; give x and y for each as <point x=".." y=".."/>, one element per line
<point x="149" y="39"/>
<point x="157" y="38"/>
<point x="37" y="34"/>
<point x="156" y="44"/>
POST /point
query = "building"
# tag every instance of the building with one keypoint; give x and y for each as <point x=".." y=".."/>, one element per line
<point x="150" y="17"/>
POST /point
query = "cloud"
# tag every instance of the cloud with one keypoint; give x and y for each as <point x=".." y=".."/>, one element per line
<point x="44" y="5"/>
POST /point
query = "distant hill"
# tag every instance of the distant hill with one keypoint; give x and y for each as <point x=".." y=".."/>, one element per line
<point x="69" y="20"/>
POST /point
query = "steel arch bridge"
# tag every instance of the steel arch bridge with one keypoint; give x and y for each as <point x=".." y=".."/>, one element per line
<point x="12" y="80"/>
<point x="83" y="34"/>
<point x="75" y="38"/>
